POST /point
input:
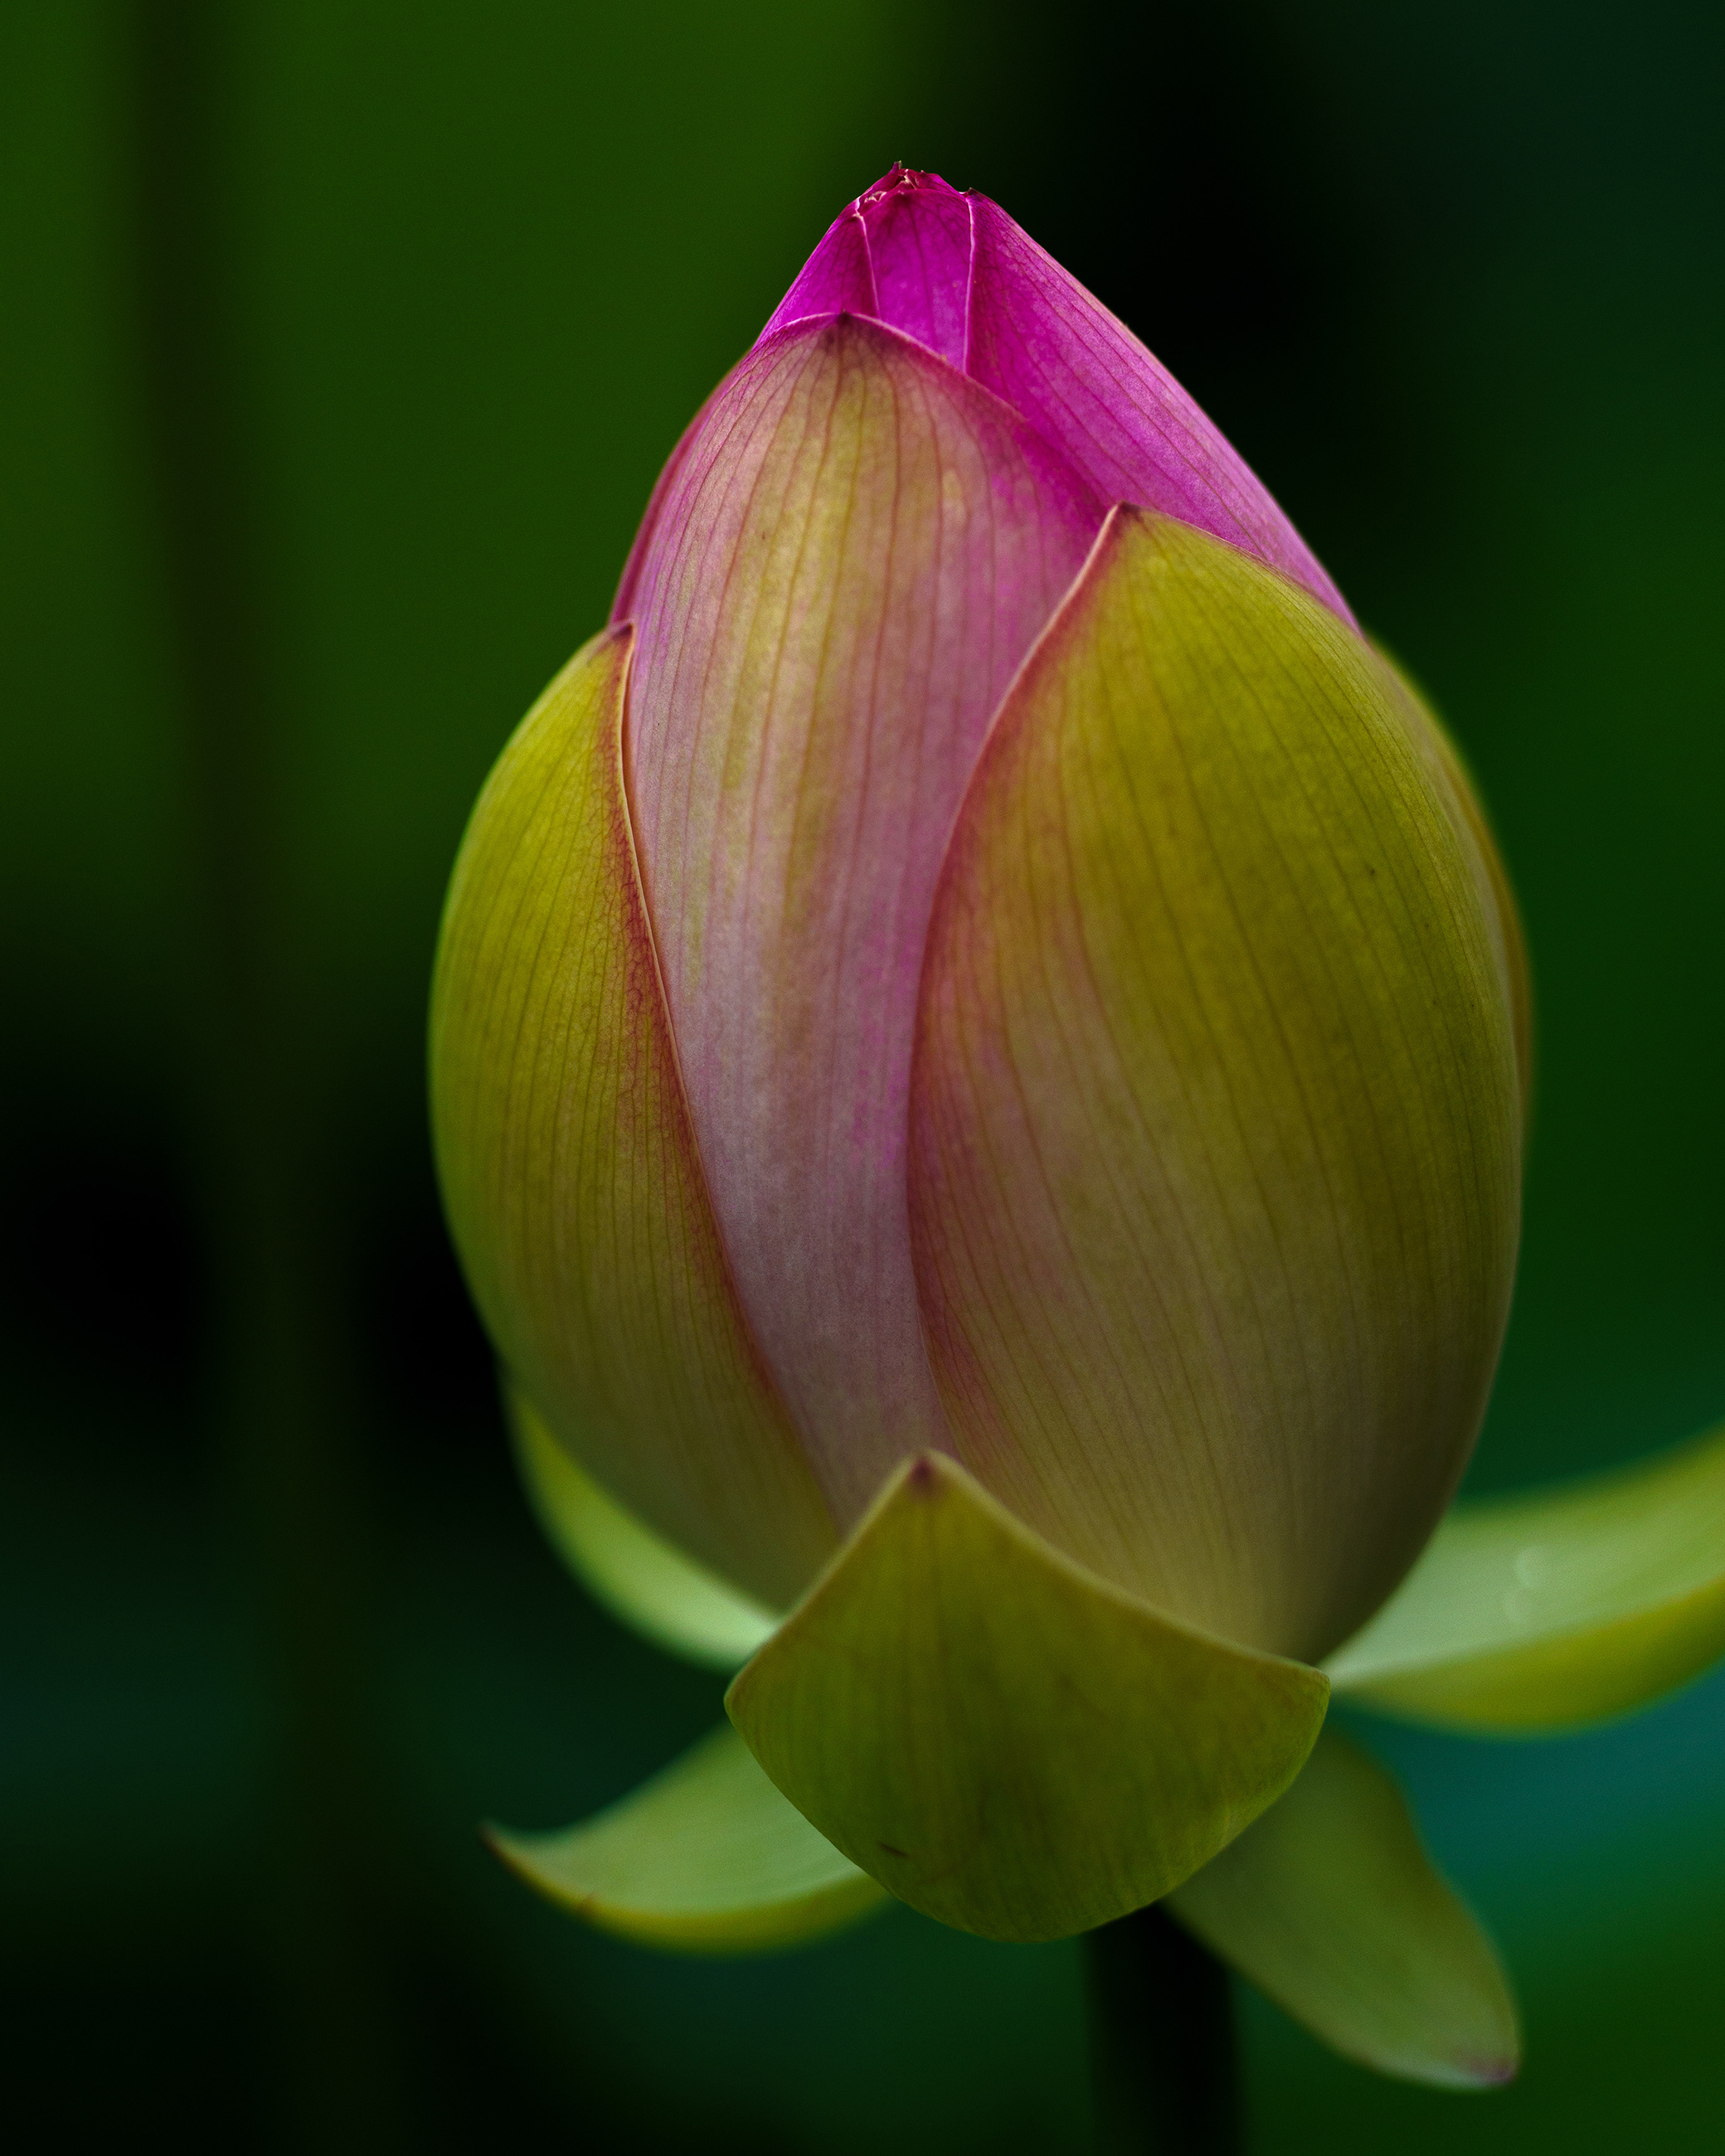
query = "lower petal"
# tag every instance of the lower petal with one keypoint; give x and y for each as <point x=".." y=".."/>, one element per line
<point x="706" y="1857"/>
<point x="1001" y="1738"/>
<point x="1330" y="1904"/>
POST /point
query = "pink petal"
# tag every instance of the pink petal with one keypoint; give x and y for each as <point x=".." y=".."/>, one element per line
<point x="851" y="559"/>
<point x="1055" y="353"/>
<point x="919" y="235"/>
<point x="953" y="271"/>
<point x="838" y="279"/>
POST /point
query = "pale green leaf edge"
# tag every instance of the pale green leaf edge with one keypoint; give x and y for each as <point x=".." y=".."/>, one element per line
<point x="705" y="1858"/>
<point x="1550" y="1609"/>
<point x="642" y="1579"/>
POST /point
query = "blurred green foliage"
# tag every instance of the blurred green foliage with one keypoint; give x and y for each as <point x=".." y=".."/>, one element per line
<point x="453" y="280"/>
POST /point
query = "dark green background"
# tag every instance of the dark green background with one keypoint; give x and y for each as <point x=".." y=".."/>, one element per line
<point x="341" y="343"/>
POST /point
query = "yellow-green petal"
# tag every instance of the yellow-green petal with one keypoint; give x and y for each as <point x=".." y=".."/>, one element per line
<point x="668" y="1599"/>
<point x="1556" y="1607"/>
<point x="707" y="1857"/>
<point x="1479" y="841"/>
<point x="571" y="1177"/>
<point x="1009" y="1743"/>
<point x="1330" y="1905"/>
<point x="1215" y="1131"/>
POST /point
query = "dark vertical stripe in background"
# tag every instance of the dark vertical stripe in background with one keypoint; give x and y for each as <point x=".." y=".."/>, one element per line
<point x="311" y="1891"/>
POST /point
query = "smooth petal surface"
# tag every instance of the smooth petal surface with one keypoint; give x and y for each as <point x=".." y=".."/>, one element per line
<point x="1215" y="1128"/>
<point x="570" y="1174"/>
<point x="1330" y="1904"/>
<point x="1009" y="1743"/>
<point x="853" y="558"/>
<point x="1556" y="1607"/>
<point x="707" y="1856"/>
<point x="668" y="1599"/>
<point x="900" y="253"/>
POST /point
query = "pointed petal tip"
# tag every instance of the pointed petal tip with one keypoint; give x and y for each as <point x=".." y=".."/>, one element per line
<point x="903" y="179"/>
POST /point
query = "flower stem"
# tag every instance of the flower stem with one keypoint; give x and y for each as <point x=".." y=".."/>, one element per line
<point x="1163" y="2044"/>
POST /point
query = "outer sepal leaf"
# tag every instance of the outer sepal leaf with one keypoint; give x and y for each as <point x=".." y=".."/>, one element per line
<point x="1330" y="1904"/>
<point x="570" y="1175"/>
<point x="1556" y="1607"/>
<point x="638" y="1576"/>
<point x="706" y="1856"/>
<point x="1007" y="1742"/>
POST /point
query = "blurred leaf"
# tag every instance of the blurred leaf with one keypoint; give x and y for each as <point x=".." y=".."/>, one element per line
<point x="706" y="1856"/>
<point x="1011" y="1744"/>
<point x="1330" y="1904"/>
<point x="1554" y="1607"/>
<point x="639" y="1578"/>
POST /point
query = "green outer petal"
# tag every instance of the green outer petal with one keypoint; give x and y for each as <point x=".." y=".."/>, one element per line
<point x="676" y="1604"/>
<point x="1215" y="1118"/>
<point x="1556" y="1607"/>
<point x="706" y="1857"/>
<point x="1010" y="1744"/>
<point x="1473" y="828"/>
<point x="570" y="1174"/>
<point x="1330" y="1904"/>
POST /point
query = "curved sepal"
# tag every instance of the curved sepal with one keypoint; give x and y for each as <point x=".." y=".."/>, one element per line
<point x="1330" y="1905"/>
<point x="638" y="1576"/>
<point x="571" y="1177"/>
<point x="1553" y="1608"/>
<point x="706" y="1856"/>
<point x="1007" y="1742"/>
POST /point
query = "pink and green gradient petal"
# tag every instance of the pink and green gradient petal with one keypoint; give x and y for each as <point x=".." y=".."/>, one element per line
<point x="853" y="558"/>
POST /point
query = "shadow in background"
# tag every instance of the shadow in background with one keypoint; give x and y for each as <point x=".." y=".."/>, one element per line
<point x="347" y="341"/>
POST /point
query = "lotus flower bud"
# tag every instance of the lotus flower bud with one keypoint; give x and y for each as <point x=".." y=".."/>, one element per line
<point x="982" y="965"/>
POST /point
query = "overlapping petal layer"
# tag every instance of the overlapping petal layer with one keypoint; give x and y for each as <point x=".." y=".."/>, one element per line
<point x="1214" y="1161"/>
<point x="1007" y="1742"/>
<point x="569" y="1171"/>
<point x="955" y="271"/>
<point x="854" y="556"/>
<point x="1330" y="1904"/>
<point x="1551" y="1608"/>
